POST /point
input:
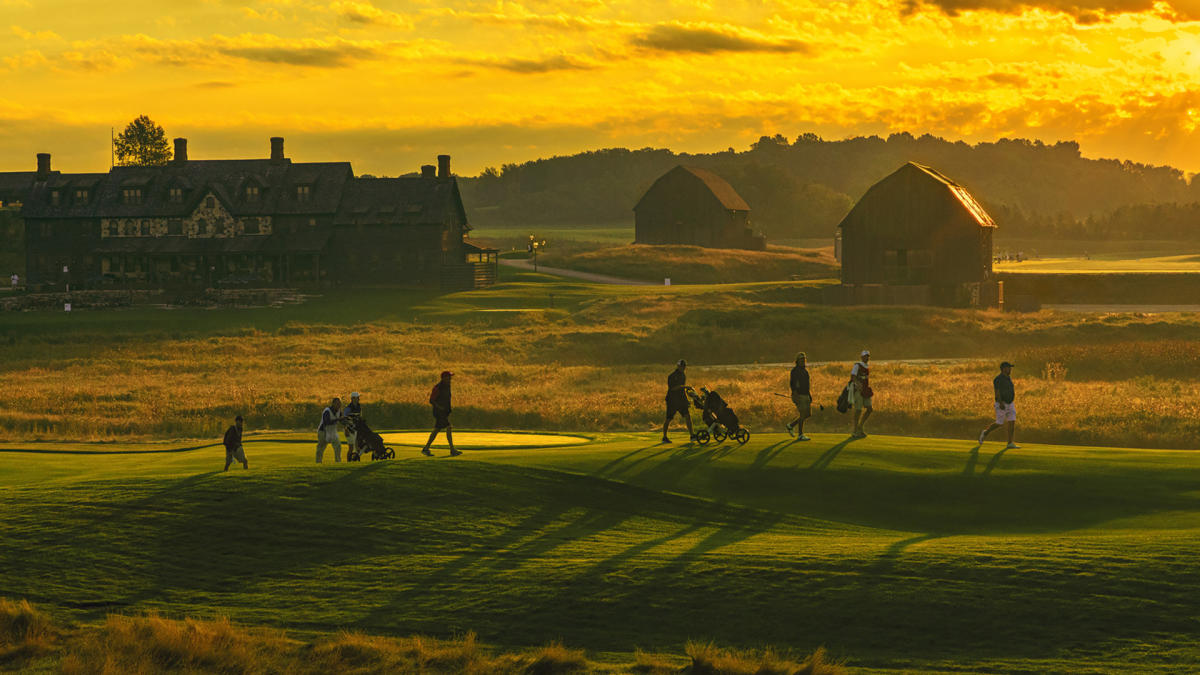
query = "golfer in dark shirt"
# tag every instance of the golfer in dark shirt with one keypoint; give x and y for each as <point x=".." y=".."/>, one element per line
<point x="233" y="444"/>
<point x="677" y="402"/>
<point x="801" y="396"/>
<point x="1006" y="410"/>
<point x="439" y="400"/>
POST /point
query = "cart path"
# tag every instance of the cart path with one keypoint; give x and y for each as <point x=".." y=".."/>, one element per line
<point x="575" y="274"/>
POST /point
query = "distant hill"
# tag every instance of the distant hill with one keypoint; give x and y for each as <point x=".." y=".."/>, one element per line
<point x="802" y="188"/>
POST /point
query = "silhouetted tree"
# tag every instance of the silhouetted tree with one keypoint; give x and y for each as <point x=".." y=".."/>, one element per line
<point x="142" y="143"/>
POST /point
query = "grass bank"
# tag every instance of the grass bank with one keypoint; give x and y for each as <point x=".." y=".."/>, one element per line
<point x="697" y="265"/>
<point x="901" y="554"/>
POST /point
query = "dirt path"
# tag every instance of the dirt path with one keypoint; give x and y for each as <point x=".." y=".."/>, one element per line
<point x="575" y="274"/>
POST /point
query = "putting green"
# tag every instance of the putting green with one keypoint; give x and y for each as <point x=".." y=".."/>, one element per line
<point x="482" y="440"/>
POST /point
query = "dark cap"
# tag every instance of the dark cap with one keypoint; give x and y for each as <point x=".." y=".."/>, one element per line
<point x="446" y="373"/>
<point x="238" y="418"/>
<point x="681" y="363"/>
<point x="1006" y="364"/>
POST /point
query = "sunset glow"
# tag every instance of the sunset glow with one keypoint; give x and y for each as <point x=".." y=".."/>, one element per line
<point x="388" y="84"/>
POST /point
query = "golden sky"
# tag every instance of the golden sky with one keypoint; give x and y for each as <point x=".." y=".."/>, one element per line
<point x="388" y="84"/>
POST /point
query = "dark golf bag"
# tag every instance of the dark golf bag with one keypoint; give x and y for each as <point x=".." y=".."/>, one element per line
<point x="366" y="440"/>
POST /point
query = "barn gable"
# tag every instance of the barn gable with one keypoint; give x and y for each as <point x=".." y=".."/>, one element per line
<point x="917" y="227"/>
<point x="693" y="206"/>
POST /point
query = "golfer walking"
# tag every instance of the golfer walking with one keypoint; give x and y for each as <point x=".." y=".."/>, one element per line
<point x="233" y="444"/>
<point x="801" y="396"/>
<point x="439" y="399"/>
<point x="327" y="432"/>
<point x="353" y="408"/>
<point x="1006" y="410"/>
<point x="677" y="402"/>
<point x="861" y="394"/>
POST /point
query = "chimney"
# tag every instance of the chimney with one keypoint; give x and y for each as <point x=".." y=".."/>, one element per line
<point x="180" y="150"/>
<point x="428" y="171"/>
<point x="443" y="166"/>
<point x="276" y="149"/>
<point x="43" y="171"/>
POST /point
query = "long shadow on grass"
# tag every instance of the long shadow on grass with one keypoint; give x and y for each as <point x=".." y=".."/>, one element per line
<point x="821" y="463"/>
<point x="602" y="504"/>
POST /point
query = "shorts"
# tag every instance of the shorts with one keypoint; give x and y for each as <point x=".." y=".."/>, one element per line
<point x="803" y="403"/>
<point x="858" y="400"/>
<point x="1006" y="414"/>
<point x="236" y="454"/>
<point x="441" y="419"/>
<point x="677" y="408"/>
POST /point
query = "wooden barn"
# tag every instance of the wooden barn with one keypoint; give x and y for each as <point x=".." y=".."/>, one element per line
<point x="917" y="237"/>
<point x="696" y="207"/>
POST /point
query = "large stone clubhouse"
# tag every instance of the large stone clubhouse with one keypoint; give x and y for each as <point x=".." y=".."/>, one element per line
<point x="246" y="222"/>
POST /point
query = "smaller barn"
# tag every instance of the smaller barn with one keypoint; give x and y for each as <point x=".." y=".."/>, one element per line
<point x="695" y="207"/>
<point x="917" y="237"/>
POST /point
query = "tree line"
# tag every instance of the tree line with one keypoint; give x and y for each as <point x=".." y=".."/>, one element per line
<point x="803" y="187"/>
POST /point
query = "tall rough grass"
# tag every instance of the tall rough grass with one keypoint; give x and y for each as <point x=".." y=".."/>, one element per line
<point x="1128" y="379"/>
<point x="156" y="644"/>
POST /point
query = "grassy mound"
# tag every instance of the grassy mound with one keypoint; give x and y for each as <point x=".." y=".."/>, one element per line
<point x="894" y="553"/>
<point x="697" y="265"/>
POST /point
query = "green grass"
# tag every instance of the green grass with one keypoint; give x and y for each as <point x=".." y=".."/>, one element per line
<point x="1106" y="265"/>
<point x="895" y="553"/>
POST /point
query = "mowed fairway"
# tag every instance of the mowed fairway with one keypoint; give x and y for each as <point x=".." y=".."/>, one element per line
<point x="895" y="553"/>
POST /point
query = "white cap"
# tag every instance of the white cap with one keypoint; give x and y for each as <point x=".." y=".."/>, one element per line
<point x="354" y="395"/>
<point x="865" y="353"/>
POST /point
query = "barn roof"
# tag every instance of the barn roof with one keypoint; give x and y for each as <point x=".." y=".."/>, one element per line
<point x="959" y="193"/>
<point x="885" y="191"/>
<point x="719" y="187"/>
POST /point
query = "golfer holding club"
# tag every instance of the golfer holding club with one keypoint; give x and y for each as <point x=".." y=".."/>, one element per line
<point x="801" y="396"/>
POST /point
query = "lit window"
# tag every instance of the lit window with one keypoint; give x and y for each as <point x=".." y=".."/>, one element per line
<point x="251" y="193"/>
<point x="175" y="195"/>
<point x="81" y="196"/>
<point x="302" y="193"/>
<point x="312" y="222"/>
<point x="131" y="195"/>
<point x="54" y="197"/>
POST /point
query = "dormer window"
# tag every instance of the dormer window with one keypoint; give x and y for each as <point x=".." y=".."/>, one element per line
<point x="131" y="195"/>
<point x="54" y="198"/>
<point x="210" y="202"/>
<point x="175" y="195"/>
<point x="302" y="193"/>
<point x="81" y="196"/>
<point x="252" y="193"/>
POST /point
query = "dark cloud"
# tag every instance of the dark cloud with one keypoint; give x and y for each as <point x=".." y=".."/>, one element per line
<point x="1009" y="79"/>
<point x="317" y="56"/>
<point x="531" y="66"/>
<point x="1083" y="11"/>
<point x="708" y="39"/>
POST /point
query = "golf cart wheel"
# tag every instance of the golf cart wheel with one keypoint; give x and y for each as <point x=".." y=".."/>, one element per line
<point x="391" y="454"/>
<point x="742" y="436"/>
<point x="702" y="437"/>
<point x="719" y="435"/>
